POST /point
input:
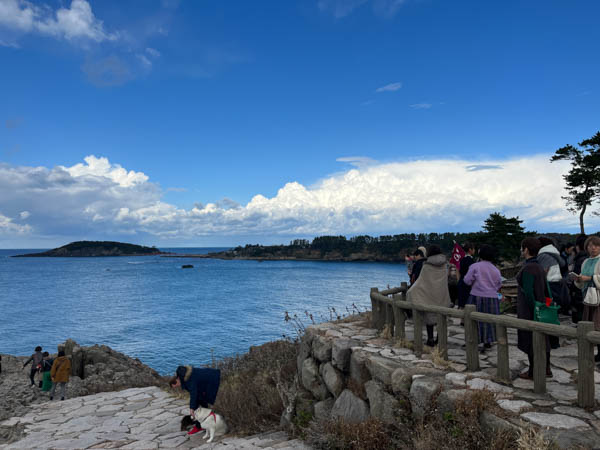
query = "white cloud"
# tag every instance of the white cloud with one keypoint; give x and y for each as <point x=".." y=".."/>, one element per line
<point x="74" y="23"/>
<point x="342" y="8"/>
<point x="392" y="87"/>
<point x="24" y="214"/>
<point x="98" y="199"/>
<point x="339" y="8"/>
<point x="421" y="105"/>
<point x="357" y="161"/>
<point x="153" y="52"/>
<point x="144" y="60"/>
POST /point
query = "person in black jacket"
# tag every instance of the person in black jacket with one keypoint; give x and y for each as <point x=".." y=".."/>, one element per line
<point x="576" y="295"/>
<point x="464" y="290"/>
<point x="201" y="383"/>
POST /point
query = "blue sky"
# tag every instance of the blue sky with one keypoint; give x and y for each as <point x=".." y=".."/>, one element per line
<point x="265" y="121"/>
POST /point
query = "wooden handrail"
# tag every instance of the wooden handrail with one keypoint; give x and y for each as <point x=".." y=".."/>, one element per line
<point x="390" y="312"/>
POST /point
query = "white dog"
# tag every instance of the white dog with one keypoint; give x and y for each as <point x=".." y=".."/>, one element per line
<point x="213" y="423"/>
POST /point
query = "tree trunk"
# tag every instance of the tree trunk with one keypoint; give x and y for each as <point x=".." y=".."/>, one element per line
<point x="581" y="218"/>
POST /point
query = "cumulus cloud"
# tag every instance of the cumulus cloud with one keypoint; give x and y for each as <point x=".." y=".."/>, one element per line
<point x="392" y="87"/>
<point x="76" y="22"/>
<point x="99" y="199"/>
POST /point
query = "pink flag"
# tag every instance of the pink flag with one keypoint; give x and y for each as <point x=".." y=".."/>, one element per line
<point x="457" y="254"/>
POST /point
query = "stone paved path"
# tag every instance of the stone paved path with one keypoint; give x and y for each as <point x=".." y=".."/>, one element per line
<point x="141" y="418"/>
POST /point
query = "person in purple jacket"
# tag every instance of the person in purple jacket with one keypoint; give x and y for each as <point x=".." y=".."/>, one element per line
<point x="485" y="281"/>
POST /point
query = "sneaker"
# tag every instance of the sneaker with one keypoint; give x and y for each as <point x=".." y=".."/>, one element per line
<point x="195" y="430"/>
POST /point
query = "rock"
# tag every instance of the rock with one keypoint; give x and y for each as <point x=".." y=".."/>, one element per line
<point x="358" y="368"/>
<point x="480" y="383"/>
<point x="515" y="406"/>
<point x="350" y="408"/>
<point x="333" y="378"/>
<point x="561" y="392"/>
<point x="312" y="381"/>
<point x="446" y="401"/>
<point x="572" y="439"/>
<point x="340" y="353"/>
<point x="457" y="379"/>
<point x="321" y="348"/>
<point x="383" y="406"/>
<point x="543" y="403"/>
<point x="575" y="412"/>
<point x="422" y="391"/>
<point x="381" y="369"/>
<point x="554" y="420"/>
<point x="492" y="425"/>
<point x="323" y="409"/>
<point x="569" y="364"/>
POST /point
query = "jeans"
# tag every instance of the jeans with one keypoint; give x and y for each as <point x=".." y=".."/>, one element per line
<point x="63" y="388"/>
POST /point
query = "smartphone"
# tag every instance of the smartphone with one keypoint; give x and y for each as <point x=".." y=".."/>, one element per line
<point x="573" y="275"/>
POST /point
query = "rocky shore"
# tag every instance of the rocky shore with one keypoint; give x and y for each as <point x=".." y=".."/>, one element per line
<point x="95" y="369"/>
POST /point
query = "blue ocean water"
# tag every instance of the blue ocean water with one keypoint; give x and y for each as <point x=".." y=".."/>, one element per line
<point x="150" y="308"/>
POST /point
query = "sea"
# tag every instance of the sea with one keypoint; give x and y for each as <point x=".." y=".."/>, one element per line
<point x="148" y="307"/>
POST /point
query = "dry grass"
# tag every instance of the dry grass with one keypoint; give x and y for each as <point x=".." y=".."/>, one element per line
<point x="532" y="439"/>
<point x="371" y="434"/>
<point x="404" y="343"/>
<point x="461" y="429"/>
<point x="438" y="359"/>
<point x="386" y="333"/>
<point x="248" y="396"/>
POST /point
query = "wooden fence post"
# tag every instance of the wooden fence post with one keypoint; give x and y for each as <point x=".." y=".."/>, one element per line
<point x="399" y="327"/>
<point x="442" y="332"/>
<point x="418" y="331"/>
<point x="471" y="339"/>
<point x="389" y="317"/>
<point x="539" y="362"/>
<point x="585" y="360"/>
<point x="502" y="362"/>
<point x="404" y="286"/>
<point x="374" y="307"/>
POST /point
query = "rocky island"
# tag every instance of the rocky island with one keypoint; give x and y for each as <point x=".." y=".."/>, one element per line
<point x="97" y="248"/>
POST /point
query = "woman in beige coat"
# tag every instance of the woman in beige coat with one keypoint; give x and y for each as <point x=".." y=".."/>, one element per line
<point x="431" y="288"/>
<point x="60" y="372"/>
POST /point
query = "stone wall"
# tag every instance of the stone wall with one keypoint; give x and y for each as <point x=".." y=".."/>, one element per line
<point x="346" y="371"/>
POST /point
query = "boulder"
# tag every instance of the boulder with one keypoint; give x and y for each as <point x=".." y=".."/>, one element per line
<point x="350" y="408"/>
<point x="446" y="401"/>
<point x="358" y="367"/>
<point x="333" y="379"/>
<point x="304" y="350"/>
<point x="312" y="381"/>
<point x="323" y="409"/>
<point x="422" y="392"/>
<point x="77" y="361"/>
<point x="321" y="348"/>
<point x="403" y="376"/>
<point x="383" y="406"/>
<point x="341" y="350"/>
<point x="381" y="369"/>
<point x="492" y="425"/>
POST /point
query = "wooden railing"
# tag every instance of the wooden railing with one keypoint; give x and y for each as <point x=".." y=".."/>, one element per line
<point x="390" y="312"/>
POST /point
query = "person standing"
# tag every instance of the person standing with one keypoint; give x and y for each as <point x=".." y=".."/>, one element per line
<point x="576" y="294"/>
<point x="485" y="281"/>
<point x="431" y="288"/>
<point x="201" y="383"/>
<point x="589" y="278"/>
<point x="60" y="372"/>
<point x="464" y="290"/>
<point x="418" y="259"/>
<point x="36" y="361"/>
<point x="532" y="288"/>
<point x="554" y="265"/>
<point x="46" y="368"/>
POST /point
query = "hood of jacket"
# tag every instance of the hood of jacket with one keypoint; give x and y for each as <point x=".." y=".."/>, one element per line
<point x="550" y="249"/>
<point x="436" y="260"/>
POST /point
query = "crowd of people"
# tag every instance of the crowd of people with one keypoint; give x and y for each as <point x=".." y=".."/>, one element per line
<point x="52" y="372"/>
<point x="566" y="279"/>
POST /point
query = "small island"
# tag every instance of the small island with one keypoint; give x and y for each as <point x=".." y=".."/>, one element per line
<point x="96" y="248"/>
